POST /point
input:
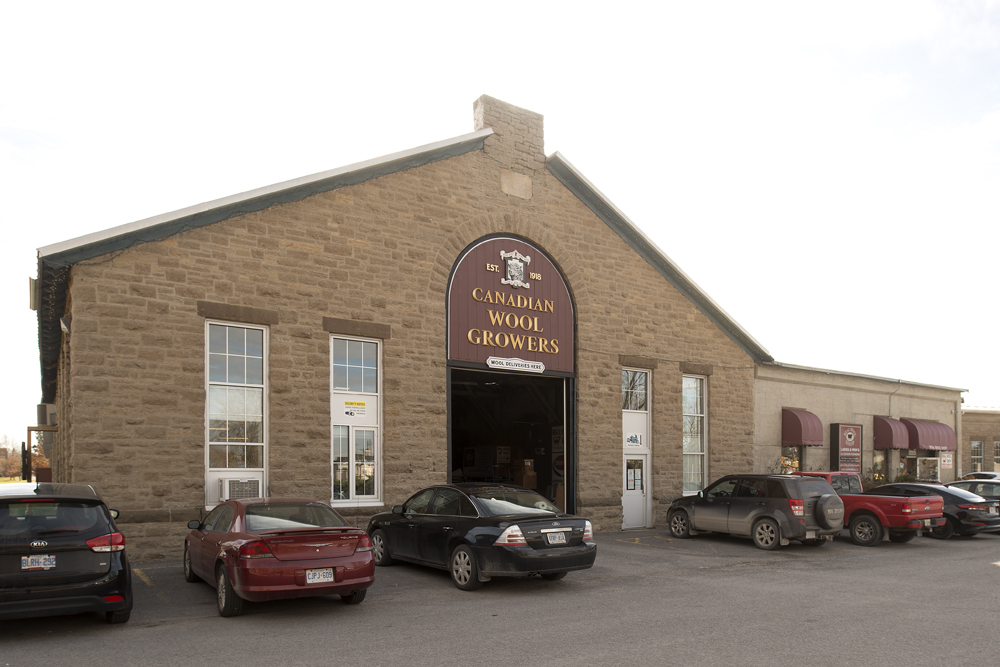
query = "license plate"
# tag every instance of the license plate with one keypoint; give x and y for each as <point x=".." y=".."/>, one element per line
<point x="323" y="575"/>
<point x="38" y="562"/>
<point x="993" y="510"/>
<point x="927" y="523"/>
<point x="557" y="538"/>
<point x="810" y="534"/>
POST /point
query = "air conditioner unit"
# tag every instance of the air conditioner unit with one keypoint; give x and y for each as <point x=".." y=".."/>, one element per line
<point x="235" y="489"/>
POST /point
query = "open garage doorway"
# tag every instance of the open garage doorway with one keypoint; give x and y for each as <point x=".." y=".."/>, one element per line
<point x="513" y="428"/>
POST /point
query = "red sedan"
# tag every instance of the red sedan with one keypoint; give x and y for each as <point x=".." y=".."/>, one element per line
<point x="274" y="548"/>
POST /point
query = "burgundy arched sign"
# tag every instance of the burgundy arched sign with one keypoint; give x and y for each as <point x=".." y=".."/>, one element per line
<point x="509" y="309"/>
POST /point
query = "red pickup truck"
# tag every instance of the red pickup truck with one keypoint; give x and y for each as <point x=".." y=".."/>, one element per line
<point x="869" y="517"/>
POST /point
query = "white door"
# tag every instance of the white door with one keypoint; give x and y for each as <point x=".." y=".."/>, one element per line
<point x="634" y="494"/>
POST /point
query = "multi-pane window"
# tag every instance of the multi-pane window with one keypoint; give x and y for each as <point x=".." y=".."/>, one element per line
<point x="996" y="455"/>
<point x="354" y="396"/>
<point x="355" y="366"/>
<point x="235" y="396"/>
<point x="977" y="456"/>
<point x="695" y="433"/>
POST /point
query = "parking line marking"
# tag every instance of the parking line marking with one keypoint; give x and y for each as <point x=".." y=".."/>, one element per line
<point x="142" y="575"/>
<point x="149" y="582"/>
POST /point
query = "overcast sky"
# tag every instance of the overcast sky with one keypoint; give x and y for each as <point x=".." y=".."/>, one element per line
<point x="827" y="174"/>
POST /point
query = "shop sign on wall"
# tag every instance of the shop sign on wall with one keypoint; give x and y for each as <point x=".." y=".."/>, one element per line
<point x="948" y="460"/>
<point x="845" y="447"/>
<point x="509" y="309"/>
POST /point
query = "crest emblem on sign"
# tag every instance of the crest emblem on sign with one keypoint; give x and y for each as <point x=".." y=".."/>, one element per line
<point x="516" y="267"/>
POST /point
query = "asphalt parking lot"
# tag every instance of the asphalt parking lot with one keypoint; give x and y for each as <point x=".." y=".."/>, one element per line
<point x="650" y="599"/>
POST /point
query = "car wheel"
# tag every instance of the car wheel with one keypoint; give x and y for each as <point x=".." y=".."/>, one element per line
<point x="116" y="617"/>
<point x="553" y="576"/>
<point x="818" y="542"/>
<point x="902" y="537"/>
<point x="355" y="597"/>
<point x="464" y="569"/>
<point x="189" y="574"/>
<point x="680" y="525"/>
<point x="230" y="604"/>
<point x="380" y="549"/>
<point x="866" y="530"/>
<point x="942" y="532"/>
<point x="766" y="534"/>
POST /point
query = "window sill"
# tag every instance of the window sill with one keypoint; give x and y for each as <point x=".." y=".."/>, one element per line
<point x="348" y="504"/>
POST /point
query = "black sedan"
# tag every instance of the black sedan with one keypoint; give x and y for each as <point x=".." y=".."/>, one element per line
<point x="966" y="513"/>
<point x="479" y="531"/>
<point x="987" y="488"/>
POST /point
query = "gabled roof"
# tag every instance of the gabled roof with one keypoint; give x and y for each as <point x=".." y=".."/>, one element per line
<point x="631" y="234"/>
<point x="55" y="260"/>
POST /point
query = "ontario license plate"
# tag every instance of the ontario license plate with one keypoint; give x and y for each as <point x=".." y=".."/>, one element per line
<point x="993" y="510"/>
<point x="38" y="562"/>
<point x="557" y="538"/>
<point x="927" y="523"/>
<point x="323" y="575"/>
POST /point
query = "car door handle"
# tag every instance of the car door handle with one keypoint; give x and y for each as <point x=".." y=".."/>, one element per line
<point x="447" y="528"/>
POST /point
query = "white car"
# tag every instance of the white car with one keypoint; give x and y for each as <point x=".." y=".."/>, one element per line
<point x="982" y="475"/>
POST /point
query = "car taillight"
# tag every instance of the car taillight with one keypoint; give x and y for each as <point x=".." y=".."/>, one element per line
<point x="588" y="532"/>
<point x="907" y="508"/>
<point x="364" y="544"/>
<point x="110" y="542"/>
<point x="797" y="506"/>
<point x="973" y="508"/>
<point x="255" y="550"/>
<point x="512" y="537"/>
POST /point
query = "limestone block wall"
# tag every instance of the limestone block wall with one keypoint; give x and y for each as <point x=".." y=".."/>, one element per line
<point x="131" y="391"/>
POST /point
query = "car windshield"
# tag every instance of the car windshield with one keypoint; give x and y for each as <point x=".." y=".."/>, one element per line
<point x="49" y="517"/>
<point x="282" y="516"/>
<point x="500" y="503"/>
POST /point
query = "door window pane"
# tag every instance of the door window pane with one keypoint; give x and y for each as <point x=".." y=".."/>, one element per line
<point x="634" y="394"/>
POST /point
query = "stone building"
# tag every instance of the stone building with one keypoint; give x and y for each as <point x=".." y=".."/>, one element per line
<point x="451" y="312"/>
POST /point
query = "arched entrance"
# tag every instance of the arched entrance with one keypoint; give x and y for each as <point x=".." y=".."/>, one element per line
<point x="511" y="355"/>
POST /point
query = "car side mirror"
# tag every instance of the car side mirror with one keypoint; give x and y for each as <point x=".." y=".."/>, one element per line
<point x="397" y="509"/>
<point x="114" y="513"/>
<point x="701" y="494"/>
<point x="194" y="524"/>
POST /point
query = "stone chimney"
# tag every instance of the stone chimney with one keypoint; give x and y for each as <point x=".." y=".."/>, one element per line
<point x="517" y="142"/>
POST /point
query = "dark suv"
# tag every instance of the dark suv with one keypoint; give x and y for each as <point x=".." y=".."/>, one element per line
<point x="771" y="509"/>
<point x="61" y="553"/>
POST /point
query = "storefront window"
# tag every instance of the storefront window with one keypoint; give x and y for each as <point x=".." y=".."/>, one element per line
<point x="791" y="459"/>
<point x="880" y="467"/>
<point x="977" y="456"/>
<point x="996" y="455"/>
<point x="695" y="433"/>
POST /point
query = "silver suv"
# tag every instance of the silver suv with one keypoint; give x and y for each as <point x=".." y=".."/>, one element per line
<point x="771" y="509"/>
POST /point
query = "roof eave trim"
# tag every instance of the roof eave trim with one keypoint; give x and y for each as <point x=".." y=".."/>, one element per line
<point x="595" y="200"/>
<point x="166" y="224"/>
<point x="861" y="376"/>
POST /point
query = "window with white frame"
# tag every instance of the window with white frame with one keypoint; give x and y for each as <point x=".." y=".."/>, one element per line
<point x="355" y="408"/>
<point x="996" y="455"/>
<point x="977" y="456"/>
<point x="236" y="398"/>
<point x="695" y="432"/>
